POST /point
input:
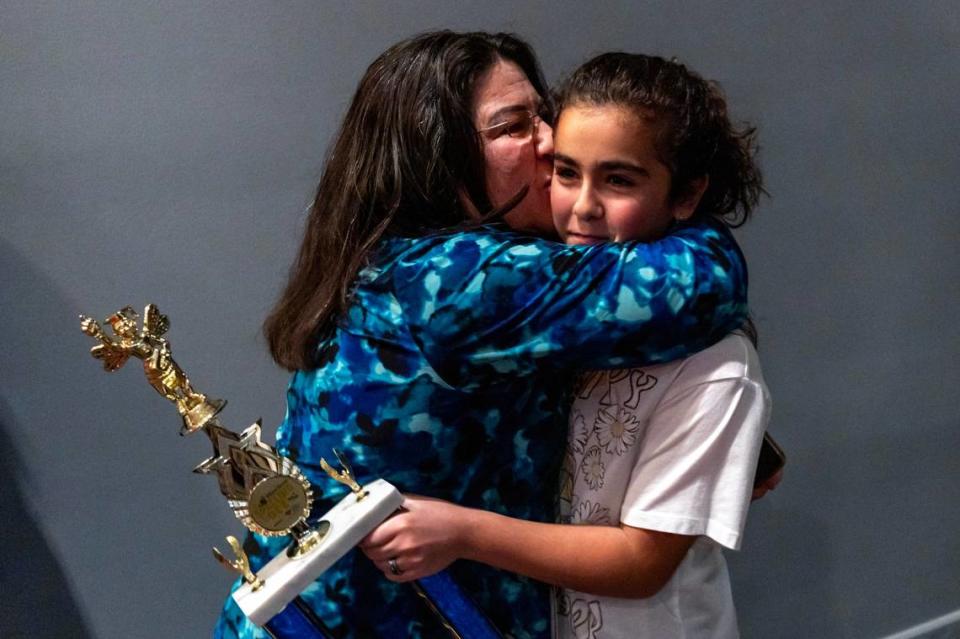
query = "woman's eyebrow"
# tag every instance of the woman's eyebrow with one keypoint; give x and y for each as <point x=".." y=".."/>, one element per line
<point x="564" y="159"/>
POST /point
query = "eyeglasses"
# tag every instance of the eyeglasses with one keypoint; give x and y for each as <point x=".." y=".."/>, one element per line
<point x="520" y="126"/>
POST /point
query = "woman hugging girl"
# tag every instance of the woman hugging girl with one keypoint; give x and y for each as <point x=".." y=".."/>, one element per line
<point x="660" y="460"/>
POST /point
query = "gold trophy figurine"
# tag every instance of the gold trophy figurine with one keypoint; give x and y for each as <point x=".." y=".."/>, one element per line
<point x="166" y="377"/>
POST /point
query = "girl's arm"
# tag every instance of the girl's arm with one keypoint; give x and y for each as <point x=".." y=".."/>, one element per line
<point x="602" y="560"/>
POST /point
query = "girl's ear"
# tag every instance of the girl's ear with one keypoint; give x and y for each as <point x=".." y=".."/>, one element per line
<point x="687" y="202"/>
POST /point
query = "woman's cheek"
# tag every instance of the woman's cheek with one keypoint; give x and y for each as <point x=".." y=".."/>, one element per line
<point x="507" y="171"/>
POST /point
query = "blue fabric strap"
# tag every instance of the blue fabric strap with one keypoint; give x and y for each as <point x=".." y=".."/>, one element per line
<point x="296" y="621"/>
<point x="457" y="612"/>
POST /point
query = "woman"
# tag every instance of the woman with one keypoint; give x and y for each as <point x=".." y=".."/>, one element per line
<point x="436" y="351"/>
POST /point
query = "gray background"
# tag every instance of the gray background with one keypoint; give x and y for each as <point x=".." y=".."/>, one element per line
<point x="166" y="152"/>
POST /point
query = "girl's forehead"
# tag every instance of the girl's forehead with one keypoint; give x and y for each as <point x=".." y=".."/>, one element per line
<point x="601" y="134"/>
<point x="584" y="119"/>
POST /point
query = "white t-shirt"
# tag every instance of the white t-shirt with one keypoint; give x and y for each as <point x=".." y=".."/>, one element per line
<point x="671" y="447"/>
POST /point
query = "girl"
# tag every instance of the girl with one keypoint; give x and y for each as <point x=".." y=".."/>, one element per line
<point x="660" y="459"/>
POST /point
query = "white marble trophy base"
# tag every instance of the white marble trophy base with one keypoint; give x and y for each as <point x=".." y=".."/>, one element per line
<point x="285" y="577"/>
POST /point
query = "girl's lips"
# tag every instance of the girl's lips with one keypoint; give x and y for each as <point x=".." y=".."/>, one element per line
<point x="579" y="238"/>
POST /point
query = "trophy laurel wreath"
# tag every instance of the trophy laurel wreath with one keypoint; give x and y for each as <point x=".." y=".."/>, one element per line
<point x="270" y="495"/>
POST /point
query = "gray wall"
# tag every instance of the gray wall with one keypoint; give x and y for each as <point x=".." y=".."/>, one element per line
<point x="165" y="152"/>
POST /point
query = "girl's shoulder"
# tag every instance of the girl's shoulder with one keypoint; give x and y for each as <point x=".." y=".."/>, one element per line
<point x="733" y="357"/>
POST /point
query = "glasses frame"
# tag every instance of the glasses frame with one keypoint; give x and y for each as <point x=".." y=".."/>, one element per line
<point x="533" y="118"/>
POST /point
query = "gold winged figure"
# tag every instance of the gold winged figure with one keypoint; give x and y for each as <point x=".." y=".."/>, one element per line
<point x="149" y="345"/>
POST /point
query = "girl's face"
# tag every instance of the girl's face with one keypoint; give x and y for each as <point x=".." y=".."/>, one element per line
<point x="608" y="182"/>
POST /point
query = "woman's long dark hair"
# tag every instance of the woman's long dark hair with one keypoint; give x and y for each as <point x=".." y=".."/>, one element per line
<point x="694" y="134"/>
<point x="404" y="159"/>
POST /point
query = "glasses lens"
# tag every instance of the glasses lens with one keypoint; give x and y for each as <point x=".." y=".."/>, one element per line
<point x="522" y="127"/>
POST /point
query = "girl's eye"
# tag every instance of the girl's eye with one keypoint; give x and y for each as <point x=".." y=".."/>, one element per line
<point x="564" y="172"/>
<point x="620" y="180"/>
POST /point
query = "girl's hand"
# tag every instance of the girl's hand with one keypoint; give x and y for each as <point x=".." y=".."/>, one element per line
<point x="422" y="539"/>
<point x="770" y="484"/>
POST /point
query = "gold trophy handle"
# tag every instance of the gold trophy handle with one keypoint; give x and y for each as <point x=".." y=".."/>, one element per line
<point x="241" y="564"/>
<point x="344" y="475"/>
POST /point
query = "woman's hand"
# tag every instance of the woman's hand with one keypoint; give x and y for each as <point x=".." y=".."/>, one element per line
<point x="420" y="540"/>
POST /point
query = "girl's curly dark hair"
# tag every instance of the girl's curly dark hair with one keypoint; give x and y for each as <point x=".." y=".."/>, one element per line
<point x="694" y="134"/>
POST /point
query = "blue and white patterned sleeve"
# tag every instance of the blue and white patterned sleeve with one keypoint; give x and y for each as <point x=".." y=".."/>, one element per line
<point x="485" y="304"/>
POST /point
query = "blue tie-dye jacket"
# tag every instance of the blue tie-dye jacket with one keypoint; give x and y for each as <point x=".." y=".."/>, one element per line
<point x="448" y="377"/>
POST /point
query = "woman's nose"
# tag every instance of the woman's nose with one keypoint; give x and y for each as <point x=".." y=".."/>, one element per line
<point x="544" y="133"/>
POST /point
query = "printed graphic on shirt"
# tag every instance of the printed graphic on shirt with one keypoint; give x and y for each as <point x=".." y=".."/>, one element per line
<point x="586" y="617"/>
<point x="610" y="431"/>
<point x="639" y="382"/>
<point x="604" y="426"/>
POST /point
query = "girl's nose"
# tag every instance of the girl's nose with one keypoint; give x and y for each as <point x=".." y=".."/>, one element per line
<point x="587" y="205"/>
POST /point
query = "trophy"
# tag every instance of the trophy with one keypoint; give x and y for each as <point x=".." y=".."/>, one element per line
<point x="270" y="495"/>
